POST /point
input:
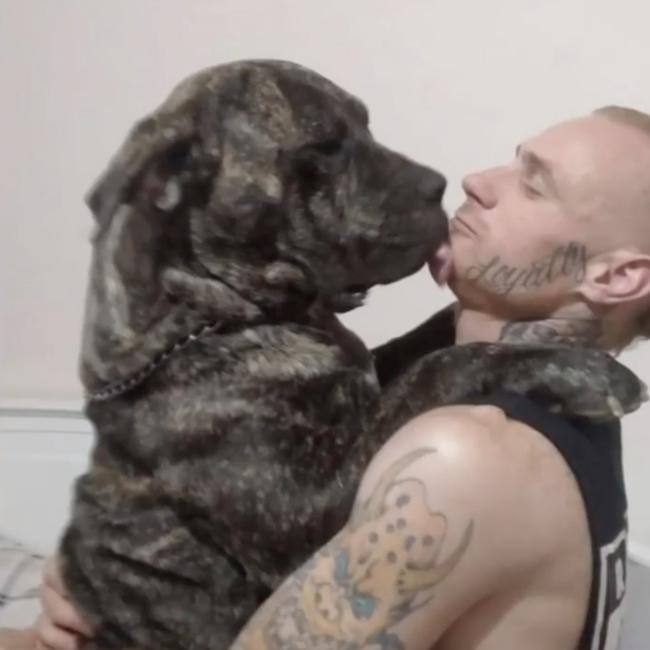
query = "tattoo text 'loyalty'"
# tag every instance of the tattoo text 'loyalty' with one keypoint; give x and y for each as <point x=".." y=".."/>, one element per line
<point x="568" y="261"/>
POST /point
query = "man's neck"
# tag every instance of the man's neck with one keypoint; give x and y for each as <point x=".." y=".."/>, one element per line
<point x="473" y="326"/>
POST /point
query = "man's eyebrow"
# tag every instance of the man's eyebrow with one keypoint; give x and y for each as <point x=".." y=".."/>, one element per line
<point x="536" y="164"/>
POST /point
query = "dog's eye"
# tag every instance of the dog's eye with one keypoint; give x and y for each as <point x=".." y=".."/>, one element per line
<point x="317" y="160"/>
<point x="310" y="169"/>
<point x="329" y="147"/>
<point x="178" y="156"/>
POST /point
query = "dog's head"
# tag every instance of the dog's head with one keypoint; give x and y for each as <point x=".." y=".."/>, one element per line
<point x="253" y="181"/>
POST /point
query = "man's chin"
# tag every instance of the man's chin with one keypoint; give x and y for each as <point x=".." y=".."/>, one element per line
<point x="469" y="294"/>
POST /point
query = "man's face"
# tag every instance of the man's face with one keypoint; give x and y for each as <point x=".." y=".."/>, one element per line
<point x="522" y="239"/>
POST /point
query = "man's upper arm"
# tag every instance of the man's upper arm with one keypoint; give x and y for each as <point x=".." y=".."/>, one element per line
<point x="433" y="532"/>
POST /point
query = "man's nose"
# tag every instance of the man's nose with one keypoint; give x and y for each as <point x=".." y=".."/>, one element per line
<point x="480" y="187"/>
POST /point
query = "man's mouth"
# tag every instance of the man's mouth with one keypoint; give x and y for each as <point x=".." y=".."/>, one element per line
<point x="457" y="223"/>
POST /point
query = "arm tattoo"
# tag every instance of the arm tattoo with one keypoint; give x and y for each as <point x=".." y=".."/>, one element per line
<point x="369" y="578"/>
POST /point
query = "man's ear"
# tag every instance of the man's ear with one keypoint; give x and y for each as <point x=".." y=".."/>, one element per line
<point x="616" y="278"/>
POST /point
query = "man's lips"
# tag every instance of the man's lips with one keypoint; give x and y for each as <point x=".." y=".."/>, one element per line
<point x="458" y="223"/>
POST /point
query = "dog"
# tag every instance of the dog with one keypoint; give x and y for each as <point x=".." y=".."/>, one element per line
<point x="232" y="225"/>
<point x="234" y="413"/>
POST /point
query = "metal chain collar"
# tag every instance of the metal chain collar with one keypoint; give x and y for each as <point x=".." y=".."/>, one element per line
<point x="118" y="388"/>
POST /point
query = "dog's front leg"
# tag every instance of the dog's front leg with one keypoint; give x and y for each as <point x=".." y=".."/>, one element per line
<point x="573" y="381"/>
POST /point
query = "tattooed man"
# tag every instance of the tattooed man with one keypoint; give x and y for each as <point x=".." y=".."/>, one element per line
<point x="494" y="525"/>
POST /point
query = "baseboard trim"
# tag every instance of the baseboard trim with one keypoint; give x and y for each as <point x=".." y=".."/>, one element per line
<point x="41" y="407"/>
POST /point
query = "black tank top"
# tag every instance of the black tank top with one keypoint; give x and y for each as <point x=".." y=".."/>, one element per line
<point x="593" y="452"/>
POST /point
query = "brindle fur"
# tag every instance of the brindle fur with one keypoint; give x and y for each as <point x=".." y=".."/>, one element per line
<point x="234" y="413"/>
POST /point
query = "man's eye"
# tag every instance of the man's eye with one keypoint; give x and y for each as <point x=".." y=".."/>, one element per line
<point x="531" y="191"/>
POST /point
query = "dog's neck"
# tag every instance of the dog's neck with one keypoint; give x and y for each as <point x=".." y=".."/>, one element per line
<point x="197" y="302"/>
<point x="276" y="289"/>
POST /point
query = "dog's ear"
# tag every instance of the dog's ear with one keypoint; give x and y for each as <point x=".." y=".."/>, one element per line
<point x="161" y="158"/>
<point x="113" y="187"/>
<point x="160" y="144"/>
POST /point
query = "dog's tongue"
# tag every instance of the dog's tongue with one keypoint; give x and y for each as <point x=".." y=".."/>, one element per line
<point x="441" y="265"/>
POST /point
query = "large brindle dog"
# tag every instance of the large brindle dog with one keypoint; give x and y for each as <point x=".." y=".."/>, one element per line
<point x="234" y="413"/>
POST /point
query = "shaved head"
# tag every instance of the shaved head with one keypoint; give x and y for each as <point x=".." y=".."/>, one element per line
<point x="564" y="229"/>
<point x="630" y="160"/>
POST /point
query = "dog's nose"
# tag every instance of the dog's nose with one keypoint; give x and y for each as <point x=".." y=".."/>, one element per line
<point x="432" y="186"/>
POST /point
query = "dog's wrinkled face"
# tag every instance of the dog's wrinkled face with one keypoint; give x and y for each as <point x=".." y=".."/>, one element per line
<point x="355" y="213"/>
<point x="257" y="174"/>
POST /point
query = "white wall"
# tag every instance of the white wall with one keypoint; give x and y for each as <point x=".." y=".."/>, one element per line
<point x="455" y="83"/>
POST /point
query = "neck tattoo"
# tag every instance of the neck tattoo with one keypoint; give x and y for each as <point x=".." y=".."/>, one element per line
<point x="552" y="330"/>
<point x="566" y="261"/>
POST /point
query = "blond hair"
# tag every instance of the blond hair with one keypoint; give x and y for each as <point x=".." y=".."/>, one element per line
<point x="628" y="116"/>
<point x="639" y="326"/>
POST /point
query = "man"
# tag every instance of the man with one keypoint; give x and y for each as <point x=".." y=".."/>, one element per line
<point x="528" y="554"/>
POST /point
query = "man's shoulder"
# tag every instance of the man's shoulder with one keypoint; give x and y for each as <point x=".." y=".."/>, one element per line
<point x="475" y="443"/>
<point x="498" y="472"/>
<point x="483" y="439"/>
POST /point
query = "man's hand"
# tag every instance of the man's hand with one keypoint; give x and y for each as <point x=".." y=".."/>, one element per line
<point x="60" y="626"/>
